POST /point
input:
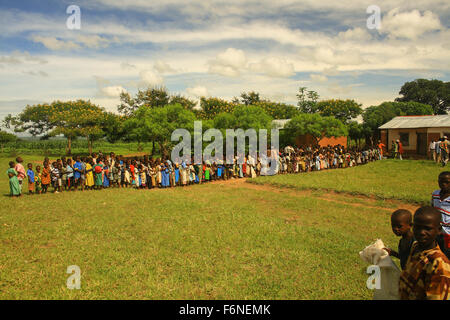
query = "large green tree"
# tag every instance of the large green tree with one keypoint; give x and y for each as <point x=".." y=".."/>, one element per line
<point x="314" y="125"/>
<point x="211" y="107"/>
<point x="157" y="124"/>
<point x="307" y="100"/>
<point x="153" y="97"/>
<point x="248" y="98"/>
<point x="344" y="110"/>
<point x="375" y="116"/>
<point x="6" y="137"/>
<point x="435" y="93"/>
<point x="71" y="119"/>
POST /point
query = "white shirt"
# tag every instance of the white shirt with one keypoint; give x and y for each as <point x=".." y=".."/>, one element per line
<point x="432" y="145"/>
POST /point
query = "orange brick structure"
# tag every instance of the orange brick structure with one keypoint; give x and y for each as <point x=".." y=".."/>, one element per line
<point x="306" y="140"/>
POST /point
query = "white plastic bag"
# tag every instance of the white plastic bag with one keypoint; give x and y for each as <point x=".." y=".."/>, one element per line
<point x="389" y="272"/>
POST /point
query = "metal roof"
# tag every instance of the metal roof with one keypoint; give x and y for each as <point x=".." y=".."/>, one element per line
<point x="414" y="122"/>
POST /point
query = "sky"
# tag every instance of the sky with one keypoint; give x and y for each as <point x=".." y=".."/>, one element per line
<point x="218" y="49"/>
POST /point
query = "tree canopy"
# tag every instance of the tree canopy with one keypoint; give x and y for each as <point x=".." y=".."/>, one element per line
<point x="316" y="126"/>
<point x="158" y="124"/>
<point x="375" y="116"/>
<point x="71" y="119"/>
<point x="307" y="100"/>
<point x="344" y="110"/>
<point x="435" y="93"/>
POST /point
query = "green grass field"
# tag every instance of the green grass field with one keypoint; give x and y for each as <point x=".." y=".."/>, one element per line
<point x="232" y="240"/>
<point x="408" y="180"/>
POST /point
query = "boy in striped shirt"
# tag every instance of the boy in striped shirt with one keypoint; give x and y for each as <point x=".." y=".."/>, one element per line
<point x="441" y="201"/>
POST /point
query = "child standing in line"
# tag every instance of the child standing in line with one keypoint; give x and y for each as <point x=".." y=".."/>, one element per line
<point x="106" y="175"/>
<point x="177" y="174"/>
<point x="31" y="179"/>
<point x="98" y="170"/>
<point x="14" y="186"/>
<point x="83" y="173"/>
<point x="69" y="173"/>
<point x="89" y="174"/>
<point x="20" y="172"/>
<point x="127" y="174"/>
<point x="46" y="176"/>
<point x="38" y="179"/>
<point x="115" y="171"/>
<point x="64" y="173"/>
<point x="55" y="177"/>
<point x="427" y="271"/>
<point x="77" y="170"/>
<point x="205" y="169"/>
<point x="143" y="176"/>
<point x="401" y="222"/>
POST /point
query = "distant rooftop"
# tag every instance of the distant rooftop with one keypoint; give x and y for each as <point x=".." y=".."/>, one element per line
<point x="414" y="122"/>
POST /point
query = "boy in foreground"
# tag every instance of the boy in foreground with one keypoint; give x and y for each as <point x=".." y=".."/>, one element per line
<point x="401" y="222"/>
<point x="427" y="271"/>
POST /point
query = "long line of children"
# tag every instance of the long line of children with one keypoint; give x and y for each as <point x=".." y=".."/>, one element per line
<point x="111" y="171"/>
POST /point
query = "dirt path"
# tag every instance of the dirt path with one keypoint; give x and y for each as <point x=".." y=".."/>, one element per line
<point x="331" y="196"/>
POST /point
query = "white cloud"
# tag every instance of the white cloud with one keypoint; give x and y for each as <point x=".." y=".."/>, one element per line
<point x="331" y="55"/>
<point x="53" y="43"/>
<point x="36" y="73"/>
<point x="163" y="67"/>
<point x="10" y="60"/>
<point x="113" y="91"/>
<point x="318" y="77"/>
<point x="93" y="41"/>
<point x="410" y="25"/>
<point x="274" y="67"/>
<point x="229" y="63"/>
<point x="127" y="66"/>
<point x="355" y="34"/>
<point x="18" y="57"/>
<point x="198" y="91"/>
<point x="151" y="78"/>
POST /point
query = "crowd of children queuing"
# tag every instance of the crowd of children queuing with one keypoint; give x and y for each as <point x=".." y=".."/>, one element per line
<point x="423" y="250"/>
<point x="105" y="171"/>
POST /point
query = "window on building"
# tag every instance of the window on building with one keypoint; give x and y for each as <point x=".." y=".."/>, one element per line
<point x="404" y="138"/>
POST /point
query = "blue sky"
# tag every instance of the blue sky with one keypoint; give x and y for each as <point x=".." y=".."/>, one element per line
<point x="218" y="48"/>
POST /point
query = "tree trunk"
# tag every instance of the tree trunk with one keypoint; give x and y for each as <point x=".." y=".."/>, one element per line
<point x="153" y="148"/>
<point x="90" y="147"/>
<point x="163" y="150"/>
<point x="69" y="146"/>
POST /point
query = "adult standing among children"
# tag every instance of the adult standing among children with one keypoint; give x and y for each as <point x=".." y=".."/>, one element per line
<point x="381" y="145"/>
<point x="444" y="151"/>
<point x="394" y="149"/>
<point x="21" y="174"/>
<point x="400" y="149"/>
<point x="437" y="148"/>
<point x="431" y="149"/>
